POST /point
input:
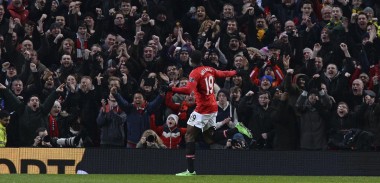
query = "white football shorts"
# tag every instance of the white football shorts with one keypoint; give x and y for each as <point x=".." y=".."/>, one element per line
<point x="202" y="121"/>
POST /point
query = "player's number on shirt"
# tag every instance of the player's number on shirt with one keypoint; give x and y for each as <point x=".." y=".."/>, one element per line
<point x="209" y="85"/>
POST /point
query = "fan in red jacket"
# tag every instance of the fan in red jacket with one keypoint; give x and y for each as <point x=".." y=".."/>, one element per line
<point x="17" y="10"/>
<point x="170" y="133"/>
<point x="183" y="109"/>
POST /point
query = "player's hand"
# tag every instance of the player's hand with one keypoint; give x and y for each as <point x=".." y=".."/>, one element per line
<point x="240" y="72"/>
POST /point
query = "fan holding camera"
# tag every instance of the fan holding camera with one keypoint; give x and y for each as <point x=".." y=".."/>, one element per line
<point x="42" y="139"/>
<point x="150" y="139"/>
<point x="237" y="142"/>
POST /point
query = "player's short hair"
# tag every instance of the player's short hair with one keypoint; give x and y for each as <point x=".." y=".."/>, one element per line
<point x="196" y="57"/>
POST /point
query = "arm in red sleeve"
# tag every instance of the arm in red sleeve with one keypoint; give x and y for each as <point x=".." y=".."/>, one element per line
<point x="190" y="87"/>
<point x="223" y="74"/>
<point x="355" y="75"/>
<point x="169" y="102"/>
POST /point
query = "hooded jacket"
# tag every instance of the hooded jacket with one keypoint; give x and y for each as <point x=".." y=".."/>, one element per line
<point x="20" y="13"/>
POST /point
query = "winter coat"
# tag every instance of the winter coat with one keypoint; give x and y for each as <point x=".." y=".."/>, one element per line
<point x="111" y="126"/>
<point x="371" y="121"/>
<point x="312" y="122"/>
<point x="171" y="137"/>
<point x="29" y="121"/>
<point x="284" y="124"/>
<point x="138" y="119"/>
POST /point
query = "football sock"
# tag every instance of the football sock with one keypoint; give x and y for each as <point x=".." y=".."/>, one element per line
<point x="190" y="156"/>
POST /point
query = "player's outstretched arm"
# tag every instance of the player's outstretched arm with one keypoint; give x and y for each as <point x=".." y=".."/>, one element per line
<point x="223" y="74"/>
<point x="190" y="87"/>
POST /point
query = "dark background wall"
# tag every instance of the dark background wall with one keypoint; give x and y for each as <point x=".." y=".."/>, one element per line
<point x="232" y="162"/>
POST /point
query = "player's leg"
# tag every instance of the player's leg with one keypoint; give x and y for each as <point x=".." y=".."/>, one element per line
<point x="211" y="135"/>
<point x="191" y="133"/>
<point x="193" y="129"/>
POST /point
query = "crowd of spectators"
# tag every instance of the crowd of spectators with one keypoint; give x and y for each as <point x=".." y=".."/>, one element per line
<point x="90" y="73"/>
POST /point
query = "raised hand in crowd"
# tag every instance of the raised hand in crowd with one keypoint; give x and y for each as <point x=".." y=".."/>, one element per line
<point x="272" y="19"/>
<point x="99" y="12"/>
<point x="138" y="22"/>
<point x="164" y="77"/>
<point x="344" y="48"/>
<point x="372" y="33"/>
<point x="17" y="21"/>
<point x="156" y="39"/>
<point x="74" y="8"/>
<point x="250" y="93"/>
<point x="59" y="36"/>
<point x="169" y="40"/>
<point x="207" y="44"/>
<point x="112" y="12"/>
<point x="317" y="47"/>
<point x="99" y="79"/>
<point x="152" y="22"/>
<point x="217" y="44"/>
<point x="86" y="54"/>
<point x="60" y="88"/>
<point x="354" y="17"/>
<point x="315" y="76"/>
<point x="290" y="71"/>
<point x="26" y="55"/>
<point x="251" y="10"/>
<point x="124" y="78"/>
<point x="33" y="67"/>
<point x="12" y="25"/>
<point x="286" y="61"/>
<point x="5" y="66"/>
<point x="139" y="36"/>
<point x="119" y="39"/>
<point x="133" y="11"/>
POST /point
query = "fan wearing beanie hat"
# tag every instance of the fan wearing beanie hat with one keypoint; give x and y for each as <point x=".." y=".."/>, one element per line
<point x="172" y="120"/>
<point x="266" y="82"/>
<point x="269" y="68"/>
<point x="170" y="133"/>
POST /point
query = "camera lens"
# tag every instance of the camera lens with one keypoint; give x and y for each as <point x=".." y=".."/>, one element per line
<point x="150" y="138"/>
<point x="47" y="138"/>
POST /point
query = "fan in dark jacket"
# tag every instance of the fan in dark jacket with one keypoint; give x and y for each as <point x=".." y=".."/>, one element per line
<point x="31" y="116"/>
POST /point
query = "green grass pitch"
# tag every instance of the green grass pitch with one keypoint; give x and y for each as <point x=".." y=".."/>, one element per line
<point x="132" y="178"/>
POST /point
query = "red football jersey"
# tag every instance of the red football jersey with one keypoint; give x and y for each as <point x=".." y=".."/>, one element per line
<point x="201" y="82"/>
